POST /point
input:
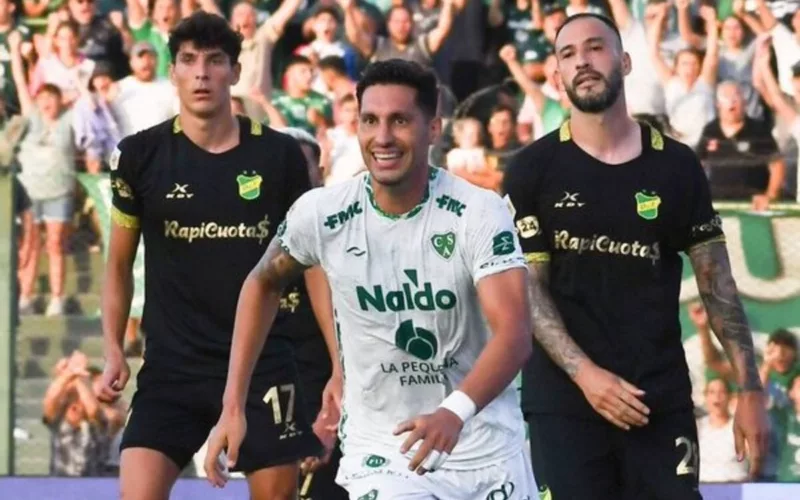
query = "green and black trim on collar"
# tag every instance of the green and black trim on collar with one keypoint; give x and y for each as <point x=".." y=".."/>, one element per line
<point x="656" y="138"/>
<point x="433" y="173"/>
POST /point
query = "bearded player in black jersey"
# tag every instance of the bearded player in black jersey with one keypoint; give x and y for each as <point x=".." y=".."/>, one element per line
<point x="603" y="207"/>
<point x="206" y="190"/>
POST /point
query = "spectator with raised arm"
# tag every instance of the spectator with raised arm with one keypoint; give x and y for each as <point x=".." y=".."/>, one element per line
<point x="153" y="25"/>
<point x="65" y="67"/>
<point x="689" y="84"/>
<point x="541" y="113"/>
<point x="783" y="105"/>
<point x="47" y="159"/>
<point x="401" y="42"/>
<point x="96" y="130"/>
<point x="8" y="25"/>
<point x="255" y="57"/>
<point x="76" y="420"/>
<point x="101" y="38"/>
<point x="644" y="93"/>
<point x="785" y="42"/>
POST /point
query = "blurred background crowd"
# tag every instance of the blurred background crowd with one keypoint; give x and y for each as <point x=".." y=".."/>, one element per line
<point x="76" y="76"/>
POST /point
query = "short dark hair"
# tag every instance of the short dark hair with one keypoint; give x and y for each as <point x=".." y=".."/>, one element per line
<point x="588" y="15"/>
<point x="406" y="73"/>
<point x="327" y="9"/>
<point x="783" y="337"/>
<point x="295" y="60"/>
<point x="335" y="63"/>
<point x="206" y="31"/>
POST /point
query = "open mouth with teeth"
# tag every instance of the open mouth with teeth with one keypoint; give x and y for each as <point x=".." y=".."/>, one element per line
<point x="386" y="159"/>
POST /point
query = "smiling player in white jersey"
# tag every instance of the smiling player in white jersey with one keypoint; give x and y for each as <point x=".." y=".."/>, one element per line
<point x="429" y="292"/>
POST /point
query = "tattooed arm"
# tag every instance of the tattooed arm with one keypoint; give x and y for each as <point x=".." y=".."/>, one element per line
<point x="258" y="304"/>
<point x="612" y="397"/>
<point x="726" y="316"/>
<point x="548" y="329"/>
<point x="717" y="288"/>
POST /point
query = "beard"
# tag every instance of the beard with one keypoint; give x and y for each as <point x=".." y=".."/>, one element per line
<point x="597" y="103"/>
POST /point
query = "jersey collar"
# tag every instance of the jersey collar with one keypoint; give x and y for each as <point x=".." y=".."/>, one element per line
<point x="432" y="175"/>
<point x="656" y="139"/>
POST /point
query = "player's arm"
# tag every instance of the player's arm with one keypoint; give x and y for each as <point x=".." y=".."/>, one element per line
<point x="726" y="315"/>
<point x="700" y="234"/>
<point x="504" y="301"/>
<point x="258" y="304"/>
<point x="118" y="280"/>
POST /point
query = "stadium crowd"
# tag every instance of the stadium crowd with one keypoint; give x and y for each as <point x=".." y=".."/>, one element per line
<point x="77" y="76"/>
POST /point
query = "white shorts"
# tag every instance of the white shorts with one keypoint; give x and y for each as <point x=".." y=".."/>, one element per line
<point x="386" y="477"/>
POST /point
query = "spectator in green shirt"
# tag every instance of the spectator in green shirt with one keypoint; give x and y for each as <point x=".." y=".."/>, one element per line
<point x="300" y="106"/>
<point x="154" y="26"/>
<point x="789" y="429"/>
<point x="780" y="364"/>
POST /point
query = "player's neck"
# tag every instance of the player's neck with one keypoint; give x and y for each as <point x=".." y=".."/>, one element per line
<point x="401" y="198"/>
<point x="608" y="135"/>
<point x="215" y="135"/>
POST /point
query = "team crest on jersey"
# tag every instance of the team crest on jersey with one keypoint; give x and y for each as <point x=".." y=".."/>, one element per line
<point x="249" y="185"/>
<point x="444" y="244"/>
<point x="647" y="205"/>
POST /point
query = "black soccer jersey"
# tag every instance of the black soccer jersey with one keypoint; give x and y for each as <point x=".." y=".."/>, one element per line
<point x="206" y="220"/>
<point x="612" y="235"/>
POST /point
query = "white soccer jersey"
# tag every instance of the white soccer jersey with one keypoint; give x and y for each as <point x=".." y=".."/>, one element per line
<point x="408" y="319"/>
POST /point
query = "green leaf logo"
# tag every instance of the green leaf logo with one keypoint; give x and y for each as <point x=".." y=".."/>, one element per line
<point x="418" y="342"/>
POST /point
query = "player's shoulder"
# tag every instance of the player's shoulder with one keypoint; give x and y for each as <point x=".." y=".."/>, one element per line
<point x="455" y="194"/>
<point x="672" y="152"/>
<point x="136" y="151"/>
<point x="530" y="161"/>
<point x="334" y="198"/>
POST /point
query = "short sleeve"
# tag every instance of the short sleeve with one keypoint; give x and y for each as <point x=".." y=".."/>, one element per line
<point x="491" y="243"/>
<point x="297" y="234"/>
<point x="699" y="222"/>
<point x="519" y="184"/>
<point x="126" y="206"/>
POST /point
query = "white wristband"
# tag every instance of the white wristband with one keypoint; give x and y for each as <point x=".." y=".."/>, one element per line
<point x="460" y="404"/>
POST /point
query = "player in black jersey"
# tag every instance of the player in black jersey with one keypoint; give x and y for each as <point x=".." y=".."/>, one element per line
<point x="206" y="190"/>
<point x="312" y="356"/>
<point x="603" y="207"/>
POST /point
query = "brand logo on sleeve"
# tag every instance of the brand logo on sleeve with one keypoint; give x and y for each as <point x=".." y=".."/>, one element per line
<point x="503" y="243"/>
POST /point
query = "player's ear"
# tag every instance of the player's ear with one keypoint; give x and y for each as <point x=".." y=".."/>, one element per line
<point x="435" y="128"/>
<point x="236" y="72"/>
<point x="627" y="65"/>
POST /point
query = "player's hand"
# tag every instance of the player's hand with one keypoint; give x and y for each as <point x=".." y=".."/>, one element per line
<point x="613" y="398"/>
<point x="508" y="53"/>
<point x="751" y="430"/>
<point x="439" y="432"/>
<point x="115" y="376"/>
<point x="324" y="427"/>
<point x="331" y="403"/>
<point x="227" y="436"/>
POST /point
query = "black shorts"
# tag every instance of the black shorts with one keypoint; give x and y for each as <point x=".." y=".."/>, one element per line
<point x="175" y="418"/>
<point x="580" y="458"/>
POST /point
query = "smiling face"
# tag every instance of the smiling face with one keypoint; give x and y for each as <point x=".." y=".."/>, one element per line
<point x="591" y="64"/>
<point x="394" y="133"/>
